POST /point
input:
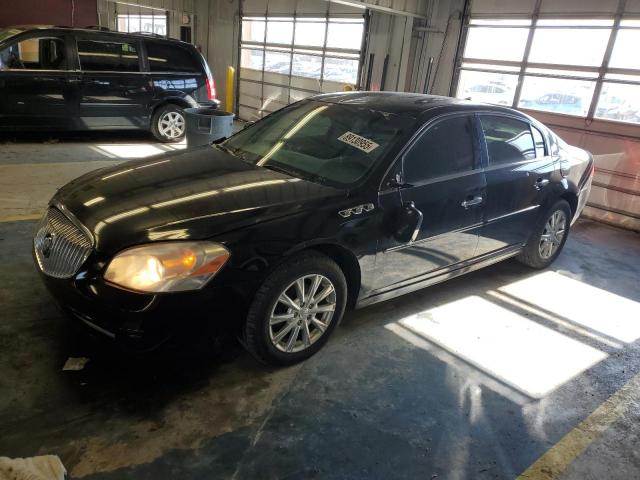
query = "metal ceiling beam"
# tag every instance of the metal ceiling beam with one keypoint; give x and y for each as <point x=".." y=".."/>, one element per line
<point x="371" y="5"/>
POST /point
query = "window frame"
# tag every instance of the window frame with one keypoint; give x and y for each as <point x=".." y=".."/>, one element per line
<point x="487" y="167"/>
<point x="397" y="164"/>
<point x="68" y="51"/>
<point x="600" y="75"/>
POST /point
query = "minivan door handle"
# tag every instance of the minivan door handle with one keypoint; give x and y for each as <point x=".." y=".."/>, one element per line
<point x="541" y="183"/>
<point x="472" y="201"/>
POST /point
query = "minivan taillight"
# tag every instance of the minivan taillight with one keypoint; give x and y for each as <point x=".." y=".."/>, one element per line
<point x="211" y="89"/>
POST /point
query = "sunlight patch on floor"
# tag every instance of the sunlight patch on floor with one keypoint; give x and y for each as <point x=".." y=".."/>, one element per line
<point x="591" y="307"/>
<point x="509" y="347"/>
<point x="135" y="150"/>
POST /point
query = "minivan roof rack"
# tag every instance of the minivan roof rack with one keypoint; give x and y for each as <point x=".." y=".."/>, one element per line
<point x="98" y="27"/>
<point x="151" y="34"/>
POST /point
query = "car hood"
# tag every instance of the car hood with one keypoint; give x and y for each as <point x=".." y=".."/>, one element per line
<point x="194" y="194"/>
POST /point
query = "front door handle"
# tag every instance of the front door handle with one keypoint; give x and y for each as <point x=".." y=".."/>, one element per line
<point x="470" y="203"/>
<point x="541" y="183"/>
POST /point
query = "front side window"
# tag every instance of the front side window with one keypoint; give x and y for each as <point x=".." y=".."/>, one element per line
<point x="508" y="140"/>
<point x="171" y="58"/>
<point x="444" y="149"/>
<point x="34" y="54"/>
<point x="108" y="56"/>
<point x="322" y="142"/>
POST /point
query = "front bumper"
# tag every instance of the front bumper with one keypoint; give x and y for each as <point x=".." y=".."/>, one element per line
<point x="135" y="320"/>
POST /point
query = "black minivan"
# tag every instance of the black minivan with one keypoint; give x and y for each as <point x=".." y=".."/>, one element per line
<point x="57" y="78"/>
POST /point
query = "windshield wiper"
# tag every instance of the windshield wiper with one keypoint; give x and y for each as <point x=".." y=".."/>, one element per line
<point x="276" y="168"/>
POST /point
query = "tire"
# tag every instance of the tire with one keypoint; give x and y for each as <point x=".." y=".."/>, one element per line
<point x="261" y="336"/>
<point x="533" y="254"/>
<point x="168" y="124"/>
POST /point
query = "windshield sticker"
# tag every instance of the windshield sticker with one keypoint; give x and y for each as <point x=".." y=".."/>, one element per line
<point x="359" y="142"/>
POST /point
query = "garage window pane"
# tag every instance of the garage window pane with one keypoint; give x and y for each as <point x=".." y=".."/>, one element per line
<point x="280" y="32"/>
<point x="253" y="30"/>
<point x="496" y="43"/>
<point x="306" y="66"/>
<point x="619" y="102"/>
<point x="278" y="62"/>
<point x="345" y="35"/>
<point x="496" y="88"/>
<point x="625" y="50"/>
<point x="571" y="97"/>
<point x="310" y="33"/>
<point x="341" y="70"/>
<point x="567" y="46"/>
<point x="250" y="58"/>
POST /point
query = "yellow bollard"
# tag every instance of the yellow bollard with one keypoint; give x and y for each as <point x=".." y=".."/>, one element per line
<point x="230" y="84"/>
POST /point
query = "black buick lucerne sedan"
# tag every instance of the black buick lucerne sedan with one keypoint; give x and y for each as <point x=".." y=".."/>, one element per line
<point x="337" y="201"/>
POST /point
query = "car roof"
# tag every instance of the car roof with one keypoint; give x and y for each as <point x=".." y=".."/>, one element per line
<point x="95" y="30"/>
<point x="416" y="105"/>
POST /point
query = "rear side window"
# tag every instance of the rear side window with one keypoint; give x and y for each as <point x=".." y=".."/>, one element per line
<point x="171" y="58"/>
<point x="34" y="54"/>
<point x="508" y="140"/>
<point x="443" y="149"/>
<point x="541" y="150"/>
<point x="108" y="56"/>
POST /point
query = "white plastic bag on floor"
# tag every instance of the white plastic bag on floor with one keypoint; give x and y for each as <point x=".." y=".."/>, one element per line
<point x="45" y="467"/>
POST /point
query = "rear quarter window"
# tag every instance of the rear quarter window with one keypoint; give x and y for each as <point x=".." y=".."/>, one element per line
<point x="172" y="58"/>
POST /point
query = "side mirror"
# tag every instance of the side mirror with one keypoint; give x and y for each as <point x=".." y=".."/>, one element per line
<point x="408" y="223"/>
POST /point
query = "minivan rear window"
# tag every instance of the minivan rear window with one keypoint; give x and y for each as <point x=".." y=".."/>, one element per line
<point x="107" y="55"/>
<point x="171" y="58"/>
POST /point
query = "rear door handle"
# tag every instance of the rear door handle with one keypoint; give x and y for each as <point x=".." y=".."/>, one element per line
<point x="541" y="183"/>
<point x="470" y="203"/>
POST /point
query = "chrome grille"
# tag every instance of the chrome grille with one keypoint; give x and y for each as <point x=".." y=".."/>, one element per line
<point x="60" y="246"/>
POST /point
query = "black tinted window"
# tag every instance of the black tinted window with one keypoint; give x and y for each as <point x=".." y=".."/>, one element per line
<point x="445" y="148"/>
<point x="34" y="54"/>
<point x="171" y="58"/>
<point x="508" y="140"/>
<point x="99" y="55"/>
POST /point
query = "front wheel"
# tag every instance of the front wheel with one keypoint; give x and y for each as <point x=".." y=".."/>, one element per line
<point x="549" y="237"/>
<point x="295" y="310"/>
<point x="168" y="123"/>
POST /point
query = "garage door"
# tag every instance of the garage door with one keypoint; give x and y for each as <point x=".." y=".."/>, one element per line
<point x="285" y="59"/>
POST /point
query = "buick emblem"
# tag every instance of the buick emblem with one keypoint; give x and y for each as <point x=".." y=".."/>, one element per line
<point x="47" y="243"/>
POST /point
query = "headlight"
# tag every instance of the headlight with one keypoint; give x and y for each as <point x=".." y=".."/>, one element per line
<point x="167" y="266"/>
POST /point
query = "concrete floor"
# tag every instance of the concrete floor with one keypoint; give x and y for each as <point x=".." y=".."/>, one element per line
<point x="500" y="373"/>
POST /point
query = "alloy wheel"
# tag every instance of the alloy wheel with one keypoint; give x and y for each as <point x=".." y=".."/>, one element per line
<point x="552" y="235"/>
<point x="171" y="125"/>
<point x="302" y="313"/>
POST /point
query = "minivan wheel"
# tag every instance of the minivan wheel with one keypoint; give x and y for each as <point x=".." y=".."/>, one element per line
<point x="549" y="237"/>
<point x="168" y="123"/>
<point x="295" y="310"/>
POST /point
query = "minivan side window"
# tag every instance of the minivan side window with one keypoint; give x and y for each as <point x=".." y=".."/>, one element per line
<point x="445" y="148"/>
<point x="34" y="54"/>
<point x="508" y="140"/>
<point x="171" y="58"/>
<point x="108" y="56"/>
<point x="541" y="151"/>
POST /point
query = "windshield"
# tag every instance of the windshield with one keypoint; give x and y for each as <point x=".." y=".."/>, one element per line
<point x="322" y="142"/>
<point x="6" y="33"/>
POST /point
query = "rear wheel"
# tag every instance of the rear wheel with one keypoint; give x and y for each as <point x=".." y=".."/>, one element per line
<point x="549" y="238"/>
<point x="295" y="310"/>
<point x="168" y="123"/>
